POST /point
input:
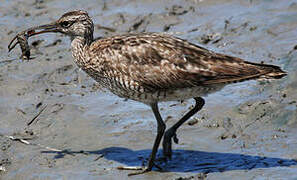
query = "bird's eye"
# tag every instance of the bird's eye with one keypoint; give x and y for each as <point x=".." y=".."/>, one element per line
<point x="65" y="24"/>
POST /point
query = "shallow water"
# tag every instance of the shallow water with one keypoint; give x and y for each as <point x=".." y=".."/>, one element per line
<point x="245" y="130"/>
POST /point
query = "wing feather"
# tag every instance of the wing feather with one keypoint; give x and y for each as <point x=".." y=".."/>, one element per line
<point x="159" y="61"/>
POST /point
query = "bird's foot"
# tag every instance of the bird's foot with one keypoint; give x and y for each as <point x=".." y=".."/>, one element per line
<point x="138" y="169"/>
<point x="167" y="143"/>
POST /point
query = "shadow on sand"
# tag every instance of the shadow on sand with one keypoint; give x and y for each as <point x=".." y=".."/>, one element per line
<point x="188" y="161"/>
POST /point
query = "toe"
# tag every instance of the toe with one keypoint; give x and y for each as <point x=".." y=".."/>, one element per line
<point x="175" y="139"/>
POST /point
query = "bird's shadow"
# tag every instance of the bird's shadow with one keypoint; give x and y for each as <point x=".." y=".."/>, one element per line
<point x="188" y="161"/>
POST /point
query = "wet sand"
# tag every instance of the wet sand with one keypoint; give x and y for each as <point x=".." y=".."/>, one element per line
<point x="247" y="130"/>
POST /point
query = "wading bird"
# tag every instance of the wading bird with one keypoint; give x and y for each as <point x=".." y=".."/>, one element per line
<point x="153" y="67"/>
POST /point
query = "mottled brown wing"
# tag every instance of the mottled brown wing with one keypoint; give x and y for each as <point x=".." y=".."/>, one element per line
<point x="158" y="61"/>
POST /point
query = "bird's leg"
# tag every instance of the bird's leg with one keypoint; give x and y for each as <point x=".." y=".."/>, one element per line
<point x="171" y="132"/>
<point x="160" y="133"/>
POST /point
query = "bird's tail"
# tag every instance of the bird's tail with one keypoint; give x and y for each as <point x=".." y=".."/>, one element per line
<point x="244" y="71"/>
<point x="269" y="71"/>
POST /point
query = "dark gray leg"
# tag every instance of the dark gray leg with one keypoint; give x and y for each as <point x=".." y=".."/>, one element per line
<point x="161" y="130"/>
<point x="171" y="132"/>
<point x="160" y="133"/>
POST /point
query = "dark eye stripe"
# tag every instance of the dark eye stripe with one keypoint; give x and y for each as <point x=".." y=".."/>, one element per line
<point x="66" y="24"/>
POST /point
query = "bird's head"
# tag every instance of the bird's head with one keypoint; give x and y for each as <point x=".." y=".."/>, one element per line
<point x="74" y="24"/>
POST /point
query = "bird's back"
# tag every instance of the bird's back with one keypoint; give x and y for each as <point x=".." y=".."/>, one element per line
<point x="151" y="64"/>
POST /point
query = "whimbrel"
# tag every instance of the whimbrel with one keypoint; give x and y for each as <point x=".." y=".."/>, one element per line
<point x="153" y="67"/>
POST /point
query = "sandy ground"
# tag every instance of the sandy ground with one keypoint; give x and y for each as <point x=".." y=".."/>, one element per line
<point x="246" y="131"/>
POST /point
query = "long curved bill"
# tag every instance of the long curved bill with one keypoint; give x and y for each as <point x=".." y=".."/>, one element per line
<point x="32" y="32"/>
<point x="42" y="29"/>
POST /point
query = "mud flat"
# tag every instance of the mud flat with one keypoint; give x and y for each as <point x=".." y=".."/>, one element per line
<point x="247" y="130"/>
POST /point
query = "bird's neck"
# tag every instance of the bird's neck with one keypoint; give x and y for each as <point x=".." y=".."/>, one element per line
<point x="79" y="48"/>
